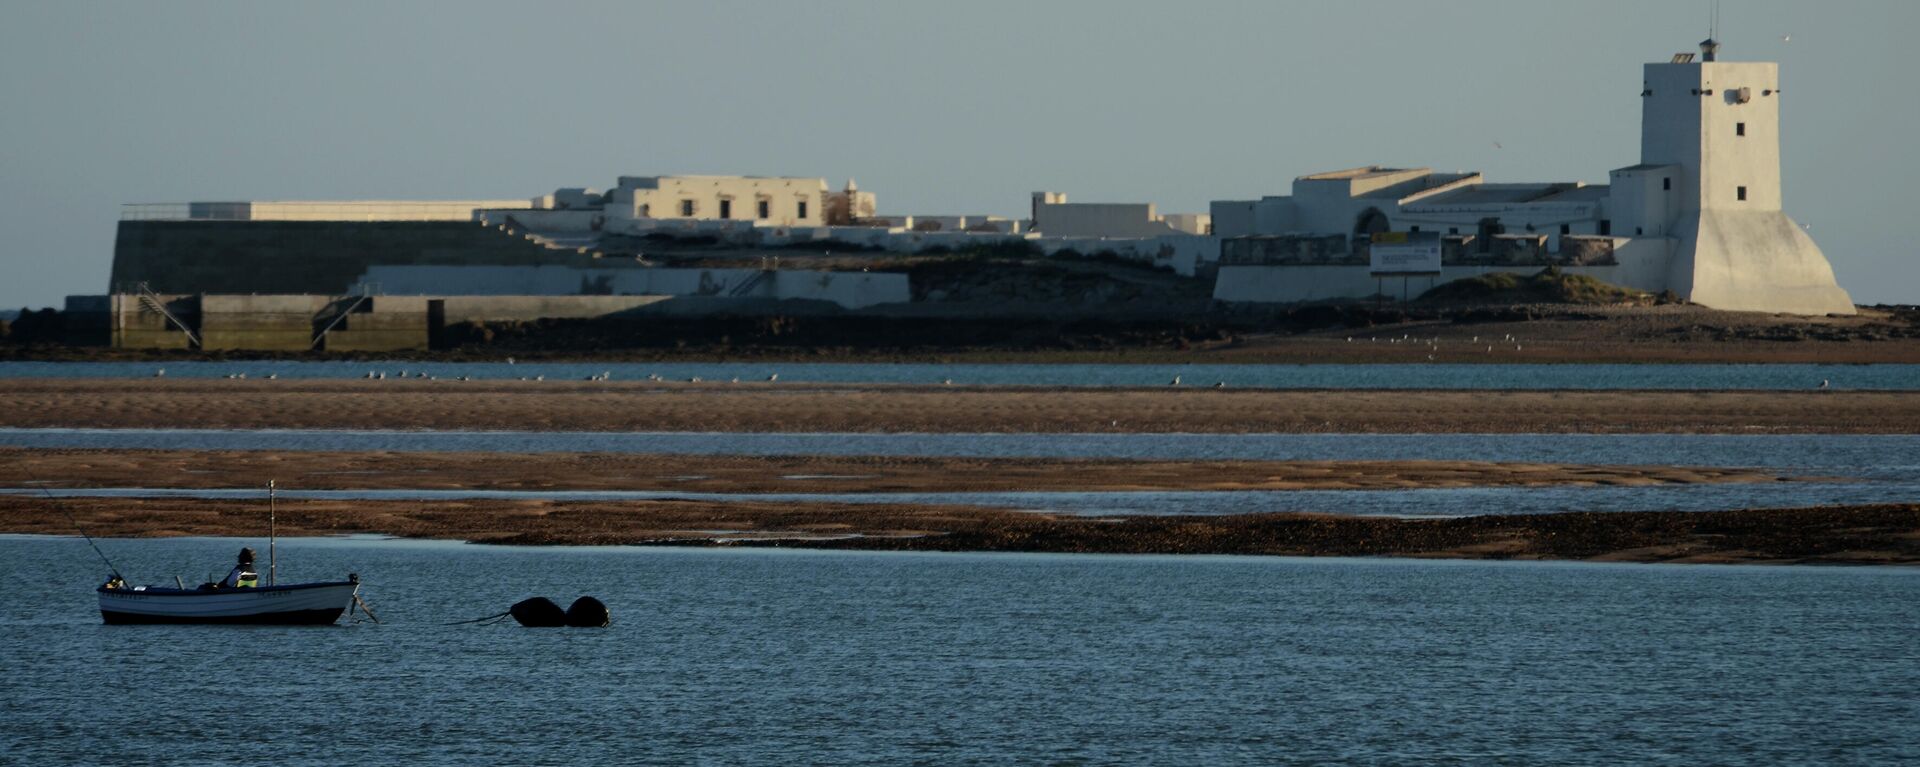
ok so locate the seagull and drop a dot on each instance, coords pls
(1175, 382)
(1219, 384)
(946, 382)
(539, 378)
(161, 373)
(1824, 383)
(1787, 38)
(606, 375)
(695, 379)
(772, 378)
(509, 360)
(736, 379)
(272, 376)
(369, 375)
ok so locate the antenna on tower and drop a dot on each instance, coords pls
(1710, 47)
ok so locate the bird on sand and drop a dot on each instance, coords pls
(161, 373)
(772, 378)
(1824, 383)
(1175, 381)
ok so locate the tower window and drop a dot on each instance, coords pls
(765, 209)
(1453, 230)
(1566, 229)
(803, 209)
(1739, 129)
(1606, 227)
(686, 208)
(1740, 192)
(726, 209)
(1413, 228)
(1666, 183)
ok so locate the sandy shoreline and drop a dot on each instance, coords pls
(199, 469)
(1888, 534)
(761, 407)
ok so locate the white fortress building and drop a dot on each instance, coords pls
(1699, 215)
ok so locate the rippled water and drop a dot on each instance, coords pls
(780, 657)
(1387, 376)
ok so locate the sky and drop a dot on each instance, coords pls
(938, 107)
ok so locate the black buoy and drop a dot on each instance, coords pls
(538, 612)
(588, 613)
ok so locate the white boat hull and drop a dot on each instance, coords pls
(302, 604)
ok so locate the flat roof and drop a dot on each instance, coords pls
(1366, 171)
(1500, 194)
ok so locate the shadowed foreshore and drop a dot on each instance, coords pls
(1881, 534)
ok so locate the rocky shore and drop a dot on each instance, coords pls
(239, 469)
(765, 407)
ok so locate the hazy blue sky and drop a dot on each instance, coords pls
(939, 107)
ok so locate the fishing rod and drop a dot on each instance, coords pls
(75, 522)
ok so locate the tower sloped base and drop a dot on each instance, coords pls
(1754, 261)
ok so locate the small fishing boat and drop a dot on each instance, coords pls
(238, 602)
(304, 604)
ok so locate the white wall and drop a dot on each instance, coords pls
(663, 200)
(1081, 219)
(851, 290)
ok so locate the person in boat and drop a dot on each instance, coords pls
(242, 576)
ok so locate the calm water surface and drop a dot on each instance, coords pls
(786, 657)
(1394, 376)
(1876, 455)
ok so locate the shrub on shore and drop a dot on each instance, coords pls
(1549, 286)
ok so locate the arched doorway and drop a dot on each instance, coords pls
(1370, 222)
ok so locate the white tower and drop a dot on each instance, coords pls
(1710, 130)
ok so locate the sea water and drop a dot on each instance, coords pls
(782, 657)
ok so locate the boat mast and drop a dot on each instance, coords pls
(272, 533)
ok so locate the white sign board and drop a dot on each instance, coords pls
(1404, 253)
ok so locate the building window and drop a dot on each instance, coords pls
(766, 209)
(1740, 192)
(1666, 183)
(1739, 129)
(1637, 231)
(726, 209)
(1413, 228)
(1606, 227)
(1566, 229)
(1453, 230)
(686, 208)
(803, 209)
